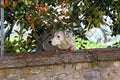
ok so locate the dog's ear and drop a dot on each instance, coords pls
(67, 33)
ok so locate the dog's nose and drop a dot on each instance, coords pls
(50, 42)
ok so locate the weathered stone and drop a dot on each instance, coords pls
(59, 77)
(2, 74)
(21, 79)
(81, 65)
(110, 74)
(93, 75)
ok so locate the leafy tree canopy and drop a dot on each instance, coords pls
(60, 14)
(46, 13)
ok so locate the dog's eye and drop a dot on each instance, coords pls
(58, 36)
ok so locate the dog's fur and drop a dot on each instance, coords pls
(63, 40)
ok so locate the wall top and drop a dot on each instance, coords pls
(59, 57)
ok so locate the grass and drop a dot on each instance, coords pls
(86, 44)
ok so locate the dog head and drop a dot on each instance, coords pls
(60, 37)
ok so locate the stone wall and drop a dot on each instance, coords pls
(96, 64)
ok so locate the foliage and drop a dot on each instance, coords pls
(117, 45)
(85, 44)
(19, 44)
(60, 14)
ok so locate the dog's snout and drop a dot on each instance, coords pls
(50, 42)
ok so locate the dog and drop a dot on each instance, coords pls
(64, 40)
